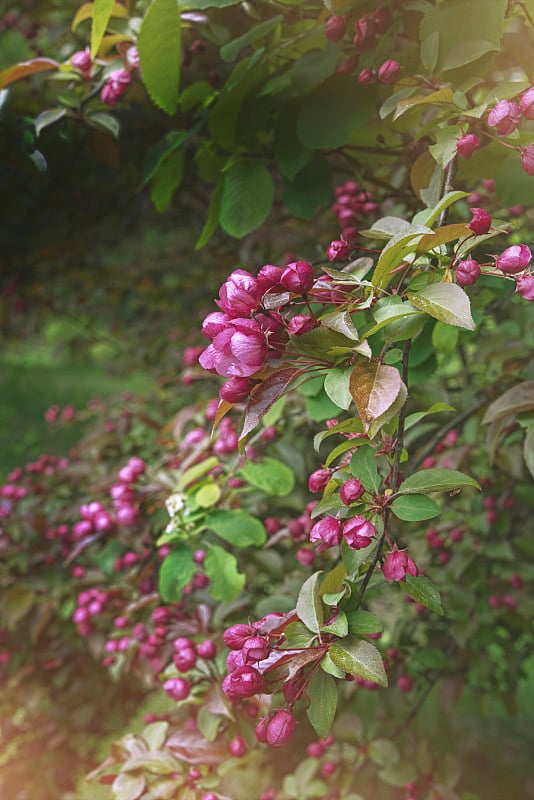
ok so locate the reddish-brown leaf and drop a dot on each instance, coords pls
(265, 395)
(374, 388)
(25, 68)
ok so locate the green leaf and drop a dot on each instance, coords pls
(322, 691)
(155, 734)
(383, 752)
(290, 155)
(435, 408)
(423, 591)
(309, 607)
(516, 400)
(269, 475)
(314, 67)
(415, 507)
(208, 495)
(428, 216)
(445, 148)
(374, 388)
(231, 50)
(101, 15)
(176, 571)
(430, 51)
(195, 472)
(336, 386)
(128, 787)
(340, 321)
(528, 450)
(363, 467)
(212, 220)
(157, 154)
(16, 602)
(398, 773)
(363, 622)
(437, 97)
(223, 121)
(436, 480)
(106, 121)
(237, 527)
(394, 253)
(359, 658)
(160, 53)
(48, 117)
(340, 100)
(445, 338)
(310, 188)
(167, 179)
(226, 582)
(247, 197)
(339, 626)
(466, 52)
(447, 302)
(388, 310)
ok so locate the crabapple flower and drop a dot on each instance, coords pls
(301, 323)
(335, 28)
(351, 491)
(358, 532)
(327, 531)
(239, 350)
(389, 71)
(526, 103)
(525, 287)
(243, 682)
(527, 159)
(467, 272)
(280, 728)
(235, 389)
(239, 296)
(397, 564)
(514, 259)
(480, 222)
(505, 116)
(466, 145)
(338, 250)
(298, 277)
(268, 279)
(115, 86)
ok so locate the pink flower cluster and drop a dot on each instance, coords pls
(352, 203)
(357, 532)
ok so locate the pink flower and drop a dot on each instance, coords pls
(280, 728)
(388, 72)
(236, 636)
(481, 221)
(467, 272)
(335, 28)
(364, 33)
(235, 389)
(505, 117)
(514, 259)
(397, 564)
(358, 532)
(81, 60)
(239, 296)
(238, 350)
(526, 103)
(351, 491)
(268, 279)
(298, 277)
(367, 77)
(525, 287)
(318, 479)
(255, 648)
(327, 531)
(527, 159)
(467, 144)
(301, 323)
(243, 682)
(338, 250)
(177, 688)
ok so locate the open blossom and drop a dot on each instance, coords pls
(358, 532)
(526, 103)
(239, 296)
(397, 564)
(525, 287)
(240, 349)
(527, 159)
(327, 531)
(505, 116)
(467, 144)
(514, 259)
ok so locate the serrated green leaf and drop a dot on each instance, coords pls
(101, 14)
(226, 582)
(269, 475)
(359, 658)
(415, 508)
(362, 622)
(247, 197)
(339, 626)
(447, 302)
(160, 53)
(176, 571)
(309, 607)
(423, 591)
(394, 253)
(321, 712)
(436, 480)
(363, 467)
(237, 527)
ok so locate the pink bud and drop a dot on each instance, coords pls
(526, 103)
(505, 117)
(367, 77)
(177, 688)
(481, 221)
(81, 60)
(467, 272)
(351, 491)
(514, 259)
(405, 683)
(327, 531)
(525, 287)
(319, 479)
(260, 730)
(185, 659)
(300, 324)
(388, 72)
(281, 728)
(238, 747)
(207, 649)
(305, 557)
(467, 144)
(236, 636)
(235, 389)
(255, 648)
(298, 277)
(338, 250)
(527, 159)
(335, 28)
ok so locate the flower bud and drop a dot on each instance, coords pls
(177, 688)
(268, 279)
(389, 71)
(338, 250)
(480, 222)
(235, 389)
(358, 532)
(335, 28)
(526, 103)
(319, 479)
(238, 747)
(505, 116)
(397, 564)
(467, 272)
(527, 159)
(298, 277)
(243, 682)
(351, 491)
(525, 287)
(261, 730)
(81, 60)
(466, 145)
(236, 636)
(514, 259)
(281, 728)
(256, 648)
(367, 77)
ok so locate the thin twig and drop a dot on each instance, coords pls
(458, 419)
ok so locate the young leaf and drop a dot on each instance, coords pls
(336, 386)
(247, 197)
(309, 607)
(101, 14)
(447, 302)
(436, 480)
(160, 53)
(322, 691)
(374, 388)
(266, 395)
(422, 590)
(226, 582)
(339, 626)
(359, 658)
(269, 475)
(237, 527)
(396, 250)
(363, 467)
(176, 571)
(25, 68)
(415, 508)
